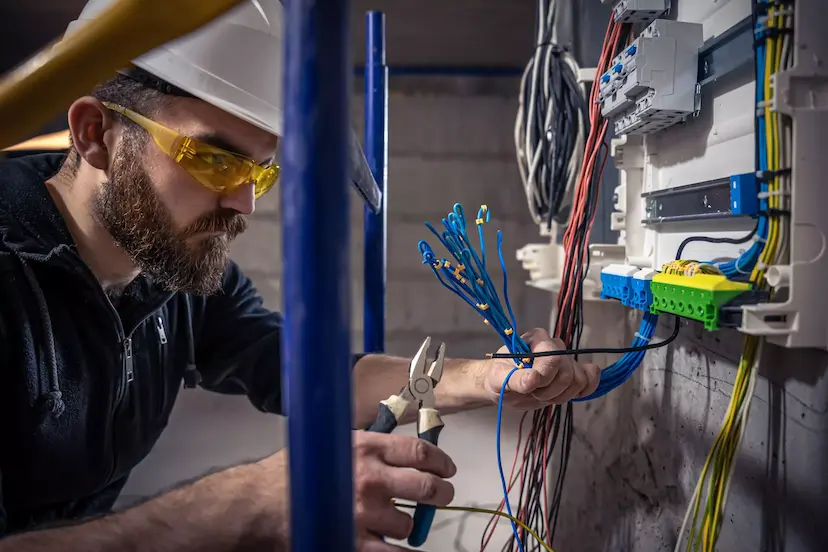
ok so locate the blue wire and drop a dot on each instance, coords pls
(500, 460)
(619, 371)
(469, 279)
(745, 263)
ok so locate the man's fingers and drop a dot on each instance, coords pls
(547, 367)
(593, 373)
(404, 451)
(420, 487)
(385, 519)
(579, 383)
(522, 381)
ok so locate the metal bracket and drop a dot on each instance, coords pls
(723, 54)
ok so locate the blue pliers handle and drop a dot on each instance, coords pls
(420, 387)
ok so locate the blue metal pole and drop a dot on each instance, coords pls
(376, 152)
(316, 339)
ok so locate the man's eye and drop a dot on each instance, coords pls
(220, 161)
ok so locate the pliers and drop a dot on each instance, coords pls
(420, 387)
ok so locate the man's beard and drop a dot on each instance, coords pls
(130, 209)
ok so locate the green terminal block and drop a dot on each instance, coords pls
(696, 297)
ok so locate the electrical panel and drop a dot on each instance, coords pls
(701, 191)
(651, 84)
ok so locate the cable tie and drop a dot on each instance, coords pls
(758, 238)
(773, 193)
(768, 175)
(739, 270)
(642, 338)
(762, 266)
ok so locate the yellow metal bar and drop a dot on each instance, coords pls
(37, 91)
(53, 141)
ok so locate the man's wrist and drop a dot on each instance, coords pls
(462, 386)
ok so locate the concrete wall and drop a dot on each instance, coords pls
(637, 453)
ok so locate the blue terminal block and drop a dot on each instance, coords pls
(744, 194)
(642, 292)
(616, 282)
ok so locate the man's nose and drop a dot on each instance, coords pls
(241, 200)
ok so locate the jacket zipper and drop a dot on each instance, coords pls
(128, 372)
(127, 375)
(129, 367)
(162, 335)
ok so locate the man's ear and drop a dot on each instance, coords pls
(91, 125)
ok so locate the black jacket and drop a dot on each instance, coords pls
(85, 388)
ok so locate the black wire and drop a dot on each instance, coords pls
(705, 239)
(594, 350)
(556, 139)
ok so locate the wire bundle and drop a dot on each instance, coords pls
(551, 124)
(773, 54)
(619, 371)
(554, 425)
(469, 279)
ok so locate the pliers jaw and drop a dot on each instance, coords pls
(422, 380)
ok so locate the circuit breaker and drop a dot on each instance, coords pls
(651, 85)
(638, 11)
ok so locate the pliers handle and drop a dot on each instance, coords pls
(420, 387)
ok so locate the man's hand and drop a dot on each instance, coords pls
(382, 473)
(551, 380)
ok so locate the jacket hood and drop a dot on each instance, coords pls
(30, 224)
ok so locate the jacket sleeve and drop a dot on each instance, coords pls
(237, 345)
(237, 349)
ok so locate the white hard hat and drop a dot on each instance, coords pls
(234, 63)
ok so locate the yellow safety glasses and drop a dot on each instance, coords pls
(216, 169)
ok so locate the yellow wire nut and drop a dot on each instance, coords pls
(50, 81)
(509, 331)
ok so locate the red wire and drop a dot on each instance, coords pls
(570, 283)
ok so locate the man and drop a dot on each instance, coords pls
(115, 286)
